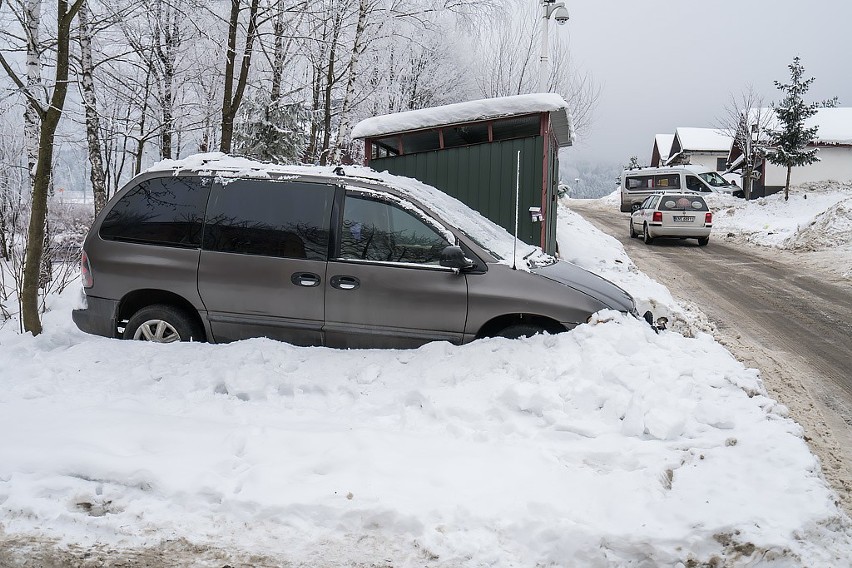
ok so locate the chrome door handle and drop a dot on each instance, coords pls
(345, 282)
(307, 279)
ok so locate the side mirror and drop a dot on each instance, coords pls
(454, 257)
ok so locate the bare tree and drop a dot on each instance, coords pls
(87, 88)
(508, 65)
(233, 94)
(49, 121)
(749, 121)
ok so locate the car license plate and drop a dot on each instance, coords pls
(680, 219)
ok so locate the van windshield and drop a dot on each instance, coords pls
(714, 180)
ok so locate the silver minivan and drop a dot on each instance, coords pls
(216, 248)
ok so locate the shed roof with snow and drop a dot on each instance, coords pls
(473, 111)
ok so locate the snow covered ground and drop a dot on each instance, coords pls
(606, 446)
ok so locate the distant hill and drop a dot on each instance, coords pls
(596, 178)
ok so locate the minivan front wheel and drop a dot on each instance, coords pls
(162, 324)
(519, 330)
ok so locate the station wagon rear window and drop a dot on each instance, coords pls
(683, 203)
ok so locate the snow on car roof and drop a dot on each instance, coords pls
(472, 111)
(451, 211)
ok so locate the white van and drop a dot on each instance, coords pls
(639, 183)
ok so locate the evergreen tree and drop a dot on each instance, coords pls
(271, 131)
(789, 142)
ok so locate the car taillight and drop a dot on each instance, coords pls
(708, 218)
(86, 271)
(658, 217)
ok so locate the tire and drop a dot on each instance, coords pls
(633, 233)
(161, 323)
(702, 241)
(646, 236)
(519, 330)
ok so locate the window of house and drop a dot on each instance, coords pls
(721, 164)
(380, 231)
(270, 218)
(164, 211)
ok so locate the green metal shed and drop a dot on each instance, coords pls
(470, 151)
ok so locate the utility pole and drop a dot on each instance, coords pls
(548, 9)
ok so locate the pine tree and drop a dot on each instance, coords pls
(789, 142)
(271, 131)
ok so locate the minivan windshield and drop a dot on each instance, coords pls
(714, 180)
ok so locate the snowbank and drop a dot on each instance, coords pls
(607, 446)
(816, 217)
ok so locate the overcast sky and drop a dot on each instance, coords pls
(668, 63)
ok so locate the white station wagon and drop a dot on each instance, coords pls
(672, 214)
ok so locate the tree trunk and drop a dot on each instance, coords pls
(234, 96)
(32, 114)
(44, 166)
(357, 49)
(787, 186)
(96, 174)
(329, 85)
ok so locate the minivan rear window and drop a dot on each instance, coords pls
(683, 202)
(164, 211)
(285, 219)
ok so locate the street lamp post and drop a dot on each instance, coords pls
(548, 9)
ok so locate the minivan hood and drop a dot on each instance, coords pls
(590, 284)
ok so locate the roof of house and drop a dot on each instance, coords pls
(834, 124)
(663, 143)
(703, 139)
(473, 111)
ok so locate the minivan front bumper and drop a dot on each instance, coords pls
(98, 317)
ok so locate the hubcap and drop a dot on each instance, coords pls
(158, 331)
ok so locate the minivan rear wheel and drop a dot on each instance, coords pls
(519, 330)
(162, 324)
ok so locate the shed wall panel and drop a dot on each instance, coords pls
(483, 177)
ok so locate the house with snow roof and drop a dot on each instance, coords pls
(833, 139)
(707, 147)
(662, 147)
(470, 150)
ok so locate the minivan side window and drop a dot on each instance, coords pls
(380, 231)
(163, 211)
(270, 218)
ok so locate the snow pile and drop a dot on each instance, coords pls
(829, 229)
(610, 445)
(794, 224)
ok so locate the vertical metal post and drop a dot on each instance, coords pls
(517, 212)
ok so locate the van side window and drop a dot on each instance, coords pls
(667, 181)
(639, 182)
(270, 218)
(694, 184)
(164, 211)
(380, 231)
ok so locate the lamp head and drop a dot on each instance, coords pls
(561, 15)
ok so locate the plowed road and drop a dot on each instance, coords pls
(774, 314)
